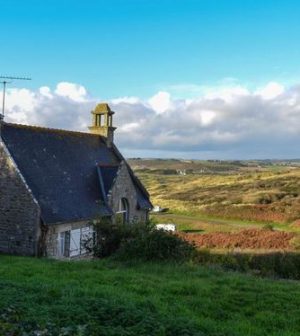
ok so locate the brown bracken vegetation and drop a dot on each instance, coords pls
(245, 239)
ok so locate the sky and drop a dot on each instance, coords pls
(201, 79)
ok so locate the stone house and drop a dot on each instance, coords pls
(53, 183)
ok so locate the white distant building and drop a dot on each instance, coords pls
(156, 208)
(181, 172)
(166, 227)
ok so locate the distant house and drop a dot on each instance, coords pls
(157, 208)
(170, 227)
(53, 183)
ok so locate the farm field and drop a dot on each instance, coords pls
(227, 197)
(47, 297)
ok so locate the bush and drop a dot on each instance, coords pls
(157, 245)
(109, 236)
(278, 264)
(137, 241)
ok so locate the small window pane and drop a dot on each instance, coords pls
(65, 244)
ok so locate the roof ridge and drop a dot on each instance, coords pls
(41, 128)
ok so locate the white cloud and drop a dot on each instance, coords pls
(73, 91)
(126, 100)
(45, 91)
(228, 94)
(47, 108)
(160, 102)
(271, 90)
(231, 122)
(130, 127)
(207, 117)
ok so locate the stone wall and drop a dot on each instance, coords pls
(124, 188)
(19, 213)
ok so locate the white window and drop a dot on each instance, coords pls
(123, 211)
(75, 242)
(64, 244)
(70, 243)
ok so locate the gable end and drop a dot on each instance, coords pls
(19, 210)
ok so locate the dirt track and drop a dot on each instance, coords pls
(245, 239)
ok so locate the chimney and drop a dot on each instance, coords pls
(102, 123)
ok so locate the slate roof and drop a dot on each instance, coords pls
(60, 167)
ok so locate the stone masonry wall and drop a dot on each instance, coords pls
(124, 187)
(19, 213)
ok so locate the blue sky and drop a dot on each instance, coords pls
(224, 63)
(135, 47)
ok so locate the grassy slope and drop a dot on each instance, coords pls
(205, 223)
(260, 197)
(147, 299)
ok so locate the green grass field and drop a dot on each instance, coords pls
(108, 298)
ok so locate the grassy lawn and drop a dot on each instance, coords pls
(204, 223)
(107, 298)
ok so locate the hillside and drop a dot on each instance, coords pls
(44, 297)
(173, 166)
(226, 197)
(265, 196)
(267, 191)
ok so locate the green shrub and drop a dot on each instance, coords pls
(157, 245)
(137, 241)
(107, 318)
(278, 264)
(109, 236)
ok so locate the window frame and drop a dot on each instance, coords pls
(124, 209)
(65, 237)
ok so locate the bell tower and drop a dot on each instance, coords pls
(103, 123)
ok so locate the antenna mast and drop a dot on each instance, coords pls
(7, 80)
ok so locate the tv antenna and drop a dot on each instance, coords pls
(7, 80)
